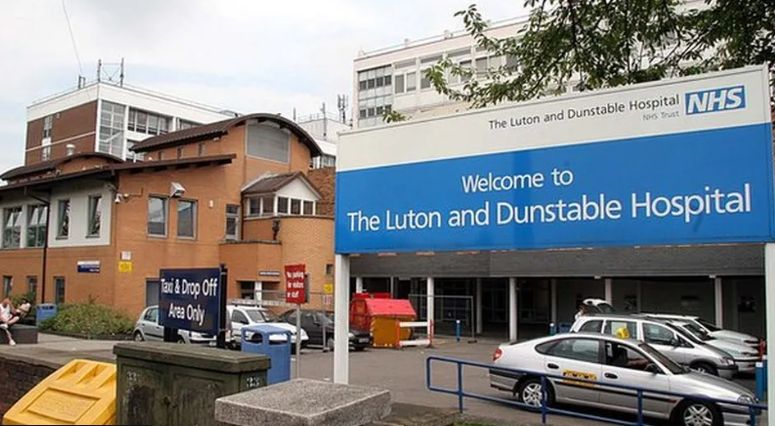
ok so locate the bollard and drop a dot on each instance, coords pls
(552, 329)
(457, 330)
(761, 379)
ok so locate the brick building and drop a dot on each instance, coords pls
(233, 192)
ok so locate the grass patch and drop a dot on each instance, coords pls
(88, 320)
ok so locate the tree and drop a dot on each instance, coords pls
(594, 44)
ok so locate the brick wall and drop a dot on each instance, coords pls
(324, 179)
(16, 379)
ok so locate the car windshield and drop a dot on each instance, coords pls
(605, 308)
(698, 332)
(707, 324)
(665, 361)
(686, 334)
(256, 315)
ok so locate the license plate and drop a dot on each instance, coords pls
(363, 340)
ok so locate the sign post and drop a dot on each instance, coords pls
(190, 299)
(220, 340)
(296, 292)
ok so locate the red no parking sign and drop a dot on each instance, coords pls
(294, 284)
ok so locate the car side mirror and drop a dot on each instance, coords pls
(674, 342)
(652, 368)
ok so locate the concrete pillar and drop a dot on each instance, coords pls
(429, 303)
(769, 288)
(358, 284)
(392, 286)
(341, 319)
(718, 297)
(553, 291)
(609, 290)
(478, 306)
(512, 309)
(639, 296)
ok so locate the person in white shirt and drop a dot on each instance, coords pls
(6, 309)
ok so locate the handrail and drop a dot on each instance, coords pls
(545, 409)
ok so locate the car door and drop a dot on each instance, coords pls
(311, 324)
(626, 365)
(151, 327)
(667, 342)
(574, 358)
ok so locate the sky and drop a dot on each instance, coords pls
(247, 56)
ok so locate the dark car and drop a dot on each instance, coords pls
(318, 323)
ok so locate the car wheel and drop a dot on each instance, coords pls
(697, 413)
(138, 337)
(704, 367)
(180, 340)
(330, 343)
(530, 392)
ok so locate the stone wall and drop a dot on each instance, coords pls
(17, 378)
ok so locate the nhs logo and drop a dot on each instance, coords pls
(714, 100)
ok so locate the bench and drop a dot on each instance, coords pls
(22, 334)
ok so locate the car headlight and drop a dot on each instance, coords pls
(750, 354)
(745, 399)
(727, 361)
(303, 334)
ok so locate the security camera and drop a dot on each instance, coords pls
(176, 190)
(119, 198)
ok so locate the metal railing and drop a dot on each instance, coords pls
(752, 410)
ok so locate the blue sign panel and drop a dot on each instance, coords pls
(88, 266)
(189, 299)
(708, 186)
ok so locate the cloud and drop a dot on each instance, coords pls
(243, 55)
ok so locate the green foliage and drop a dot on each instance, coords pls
(606, 43)
(18, 299)
(88, 319)
(394, 117)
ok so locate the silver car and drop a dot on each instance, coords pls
(608, 360)
(670, 342)
(148, 328)
(735, 336)
(745, 357)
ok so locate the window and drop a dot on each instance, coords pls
(95, 216)
(7, 285)
(613, 327)
(511, 63)
(148, 122)
(152, 315)
(591, 327)
(185, 124)
(161, 155)
(45, 152)
(466, 65)
(247, 289)
(239, 317)
(254, 206)
(157, 216)
(309, 208)
(411, 81)
(267, 205)
(424, 82)
(32, 284)
(130, 153)
(329, 269)
(63, 219)
(295, 206)
(586, 350)
(623, 356)
(201, 149)
(36, 225)
(48, 124)
(282, 205)
(180, 153)
(186, 218)
(232, 222)
(112, 128)
(268, 142)
(655, 334)
(12, 227)
(59, 290)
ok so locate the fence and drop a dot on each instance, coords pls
(448, 310)
(753, 410)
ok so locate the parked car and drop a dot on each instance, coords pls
(316, 322)
(745, 357)
(148, 328)
(608, 360)
(598, 306)
(670, 342)
(711, 329)
(242, 315)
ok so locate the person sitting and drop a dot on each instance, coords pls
(7, 318)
